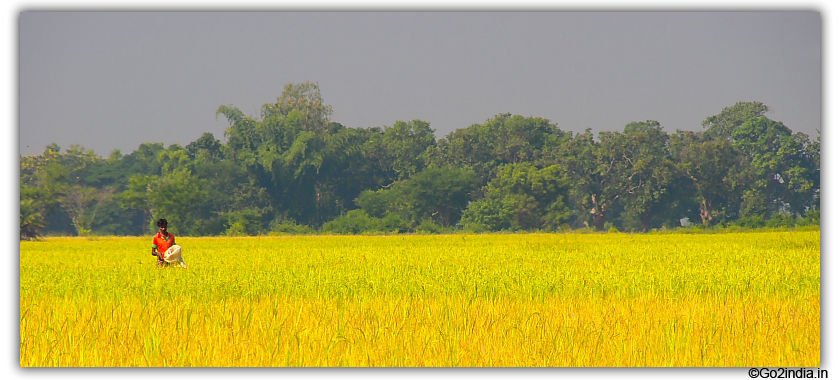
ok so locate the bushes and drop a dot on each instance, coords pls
(283, 226)
(428, 226)
(811, 218)
(359, 222)
(781, 220)
(521, 197)
(394, 223)
(755, 221)
(246, 222)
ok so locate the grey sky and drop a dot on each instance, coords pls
(115, 80)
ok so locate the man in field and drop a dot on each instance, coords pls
(164, 247)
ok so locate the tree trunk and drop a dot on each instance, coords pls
(705, 212)
(317, 206)
(598, 220)
(598, 212)
(646, 221)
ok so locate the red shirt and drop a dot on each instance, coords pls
(162, 243)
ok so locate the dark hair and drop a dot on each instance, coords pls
(161, 222)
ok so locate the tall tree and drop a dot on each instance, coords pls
(504, 139)
(137, 197)
(298, 153)
(730, 118)
(179, 196)
(780, 172)
(82, 203)
(31, 212)
(812, 152)
(440, 193)
(437, 193)
(405, 143)
(713, 165)
(522, 197)
(208, 143)
(54, 175)
(596, 169)
(43, 179)
(650, 174)
(304, 98)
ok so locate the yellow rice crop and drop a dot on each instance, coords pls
(729, 300)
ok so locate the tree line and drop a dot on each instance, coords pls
(292, 170)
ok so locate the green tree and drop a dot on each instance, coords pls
(802, 189)
(713, 165)
(178, 196)
(56, 176)
(297, 152)
(31, 212)
(780, 171)
(304, 98)
(504, 139)
(598, 172)
(394, 199)
(137, 197)
(82, 203)
(724, 124)
(522, 197)
(242, 136)
(247, 222)
(174, 158)
(812, 152)
(207, 143)
(318, 164)
(380, 202)
(31, 219)
(405, 144)
(440, 193)
(650, 175)
(42, 180)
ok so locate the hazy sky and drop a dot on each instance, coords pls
(115, 80)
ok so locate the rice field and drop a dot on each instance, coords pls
(543, 300)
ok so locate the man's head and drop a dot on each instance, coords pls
(161, 223)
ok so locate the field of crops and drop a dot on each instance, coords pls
(723, 300)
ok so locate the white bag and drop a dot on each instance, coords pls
(173, 255)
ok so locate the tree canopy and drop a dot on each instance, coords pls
(292, 169)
